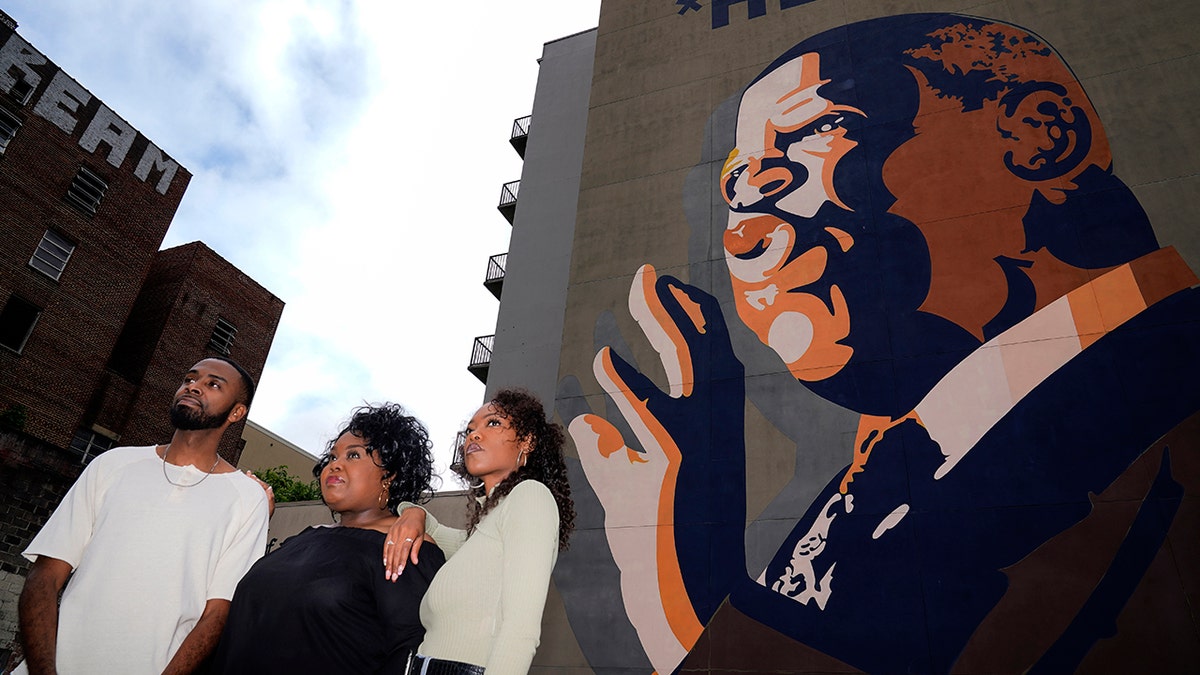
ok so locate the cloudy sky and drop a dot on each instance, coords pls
(348, 155)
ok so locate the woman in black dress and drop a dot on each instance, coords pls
(319, 603)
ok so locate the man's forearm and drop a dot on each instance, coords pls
(201, 641)
(37, 610)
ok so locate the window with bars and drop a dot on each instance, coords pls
(9, 124)
(17, 320)
(86, 191)
(52, 254)
(87, 444)
(222, 336)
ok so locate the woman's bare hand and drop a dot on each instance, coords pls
(403, 542)
(267, 489)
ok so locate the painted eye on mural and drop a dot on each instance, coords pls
(729, 183)
(826, 124)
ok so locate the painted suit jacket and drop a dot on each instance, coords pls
(1102, 451)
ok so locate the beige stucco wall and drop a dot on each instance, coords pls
(292, 517)
(266, 450)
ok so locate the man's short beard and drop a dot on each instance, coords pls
(184, 418)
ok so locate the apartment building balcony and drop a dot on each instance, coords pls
(481, 357)
(508, 200)
(520, 134)
(494, 280)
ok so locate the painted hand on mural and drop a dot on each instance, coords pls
(633, 535)
(690, 471)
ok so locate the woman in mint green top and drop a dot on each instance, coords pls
(483, 610)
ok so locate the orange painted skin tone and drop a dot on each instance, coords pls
(790, 141)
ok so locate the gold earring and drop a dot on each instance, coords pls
(383, 498)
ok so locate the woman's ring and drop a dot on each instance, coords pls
(408, 540)
(391, 543)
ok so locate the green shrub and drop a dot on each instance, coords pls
(289, 488)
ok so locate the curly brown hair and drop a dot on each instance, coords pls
(544, 463)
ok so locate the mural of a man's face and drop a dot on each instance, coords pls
(789, 229)
(878, 205)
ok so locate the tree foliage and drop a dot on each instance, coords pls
(289, 488)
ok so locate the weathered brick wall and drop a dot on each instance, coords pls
(83, 312)
(33, 479)
(10, 589)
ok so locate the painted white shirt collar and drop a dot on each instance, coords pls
(986, 385)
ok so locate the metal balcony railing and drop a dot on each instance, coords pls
(521, 126)
(508, 199)
(494, 281)
(508, 193)
(520, 134)
(481, 357)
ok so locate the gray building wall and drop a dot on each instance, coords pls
(530, 322)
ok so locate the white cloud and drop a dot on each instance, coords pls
(346, 155)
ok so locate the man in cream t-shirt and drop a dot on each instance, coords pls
(153, 540)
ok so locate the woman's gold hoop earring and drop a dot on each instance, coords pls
(383, 498)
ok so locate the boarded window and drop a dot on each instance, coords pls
(87, 444)
(86, 190)
(9, 124)
(222, 337)
(21, 90)
(52, 254)
(17, 320)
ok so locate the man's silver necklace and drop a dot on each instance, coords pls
(186, 485)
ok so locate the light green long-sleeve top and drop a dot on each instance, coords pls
(485, 605)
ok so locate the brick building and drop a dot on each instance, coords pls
(83, 219)
(95, 321)
(193, 302)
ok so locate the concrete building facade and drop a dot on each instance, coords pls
(878, 345)
(530, 321)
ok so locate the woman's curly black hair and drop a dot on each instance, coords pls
(399, 444)
(544, 463)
